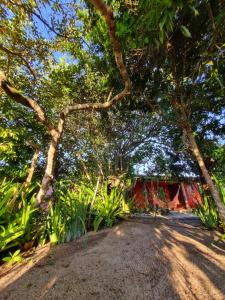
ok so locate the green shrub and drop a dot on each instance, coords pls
(68, 217)
(108, 207)
(221, 187)
(13, 258)
(208, 214)
(17, 215)
(72, 209)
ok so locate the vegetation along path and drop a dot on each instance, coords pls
(137, 259)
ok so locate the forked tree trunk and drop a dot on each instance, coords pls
(212, 187)
(56, 135)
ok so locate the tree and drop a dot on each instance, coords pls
(56, 131)
(188, 65)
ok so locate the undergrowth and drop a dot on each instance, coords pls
(71, 211)
(209, 214)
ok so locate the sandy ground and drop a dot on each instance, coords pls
(134, 260)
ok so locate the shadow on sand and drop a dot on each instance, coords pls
(134, 260)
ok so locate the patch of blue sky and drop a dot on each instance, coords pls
(47, 14)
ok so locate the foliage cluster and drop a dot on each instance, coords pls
(70, 212)
(209, 214)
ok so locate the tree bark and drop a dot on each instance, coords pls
(56, 135)
(199, 158)
(33, 163)
(32, 167)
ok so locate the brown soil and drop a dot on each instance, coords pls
(134, 260)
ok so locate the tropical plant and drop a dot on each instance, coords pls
(109, 206)
(221, 187)
(13, 258)
(208, 214)
(17, 224)
(75, 204)
(8, 189)
(68, 217)
(55, 224)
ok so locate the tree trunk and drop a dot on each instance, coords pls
(32, 167)
(56, 135)
(212, 187)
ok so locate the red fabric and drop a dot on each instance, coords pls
(193, 195)
(167, 192)
(139, 199)
(154, 198)
(197, 194)
(146, 193)
(175, 202)
(159, 202)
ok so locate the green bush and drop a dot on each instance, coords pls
(17, 215)
(208, 214)
(68, 214)
(221, 187)
(108, 207)
(72, 210)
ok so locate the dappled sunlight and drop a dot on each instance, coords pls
(192, 262)
(118, 231)
(158, 233)
(133, 260)
(112, 150)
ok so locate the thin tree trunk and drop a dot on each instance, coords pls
(51, 160)
(32, 167)
(212, 187)
(84, 167)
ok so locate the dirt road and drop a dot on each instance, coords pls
(134, 260)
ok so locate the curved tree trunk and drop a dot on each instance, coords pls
(199, 158)
(56, 135)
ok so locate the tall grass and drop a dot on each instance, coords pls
(81, 208)
(221, 187)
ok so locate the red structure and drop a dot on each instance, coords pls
(171, 195)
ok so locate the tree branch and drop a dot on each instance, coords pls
(41, 19)
(20, 55)
(24, 100)
(211, 17)
(107, 13)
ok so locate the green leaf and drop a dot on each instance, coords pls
(146, 40)
(161, 36)
(97, 222)
(53, 238)
(185, 31)
(195, 11)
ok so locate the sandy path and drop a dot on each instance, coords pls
(134, 260)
